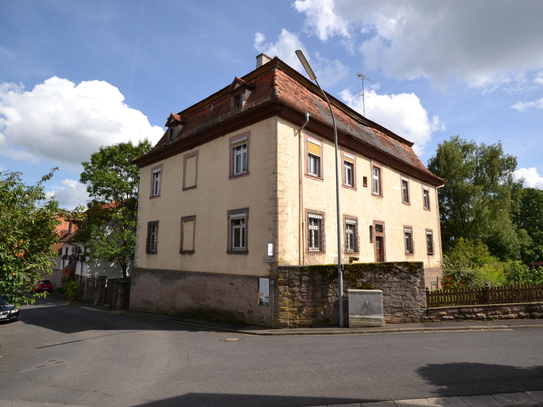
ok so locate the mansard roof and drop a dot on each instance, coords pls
(279, 90)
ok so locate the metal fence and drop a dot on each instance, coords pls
(504, 294)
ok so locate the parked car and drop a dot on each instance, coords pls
(44, 285)
(8, 311)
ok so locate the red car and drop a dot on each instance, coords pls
(44, 285)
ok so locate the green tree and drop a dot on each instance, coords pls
(109, 225)
(479, 196)
(27, 234)
(529, 217)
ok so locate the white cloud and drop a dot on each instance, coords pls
(531, 178)
(285, 47)
(327, 71)
(522, 106)
(477, 42)
(70, 195)
(64, 122)
(402, 114)
(322, 18)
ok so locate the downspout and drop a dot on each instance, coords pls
(301, 161)
(439, 231)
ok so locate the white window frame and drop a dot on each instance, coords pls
(315, 232)
(152, 237)
(426, 197)
(408, 239)
(240, 158)
(156, 181)
(405, 190)
(314, 161)
(430, 242)
(239, 155)
(351, 235)
(237, 231)
(376, 177)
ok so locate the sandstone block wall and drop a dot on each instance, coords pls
(308, 295)
(485, 312)
(210, 296)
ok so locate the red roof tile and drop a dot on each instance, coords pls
(277, 89)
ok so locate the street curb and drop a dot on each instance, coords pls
(324, 331)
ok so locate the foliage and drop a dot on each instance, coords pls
(471, 264)
(108, 227)
(478, 196)
(518, 273)
(69, 289)
(529, 217)
(27, 234)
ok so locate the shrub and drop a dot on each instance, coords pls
(69, 289)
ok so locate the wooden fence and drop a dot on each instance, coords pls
(504, 294)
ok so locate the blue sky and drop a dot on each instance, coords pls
(76, 75)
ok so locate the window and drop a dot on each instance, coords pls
(364, 182)
(408, 235)
(239, 155)
(426, 197)
(156, 180)
(348, 170)
(315, 232)
(429, 242)
(314, 158)
(237, 231)
(351, 235)
(405, 190)
(237, 101)
(152, 237)
(188, 229)
(190, 167)
(376, 180)
(379, 241)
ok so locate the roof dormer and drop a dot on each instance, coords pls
(174, 125)
(239, 91)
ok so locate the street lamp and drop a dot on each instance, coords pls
(313, 77)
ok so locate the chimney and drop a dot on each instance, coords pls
(262, 59)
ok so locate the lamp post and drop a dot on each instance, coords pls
(313, 77)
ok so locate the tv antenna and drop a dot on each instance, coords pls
(363, 93)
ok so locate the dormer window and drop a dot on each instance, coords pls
(174, 124)
(237, 102)
(173, 133)
(240, 92)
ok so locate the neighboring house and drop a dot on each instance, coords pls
(71, 263)
(244, 182)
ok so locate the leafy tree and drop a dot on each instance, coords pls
(463, 263)
(529, 217)
(27, 234)
(109, 225)
(478, 197)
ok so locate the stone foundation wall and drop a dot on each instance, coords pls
(308, 295)
(210, 296)
(485, 312)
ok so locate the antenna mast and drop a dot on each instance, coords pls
(363, 95)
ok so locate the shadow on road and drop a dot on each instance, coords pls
(454, 379)
(247, 400)
(68, 318)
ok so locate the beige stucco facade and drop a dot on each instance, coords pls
(278, 195)
(244, 182)
(215, 193)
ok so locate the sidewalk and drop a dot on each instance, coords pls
(388, 328)
(528, 398)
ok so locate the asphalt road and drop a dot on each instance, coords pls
(72, 356)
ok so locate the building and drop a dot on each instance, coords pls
(72, 263)
(243, 182)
